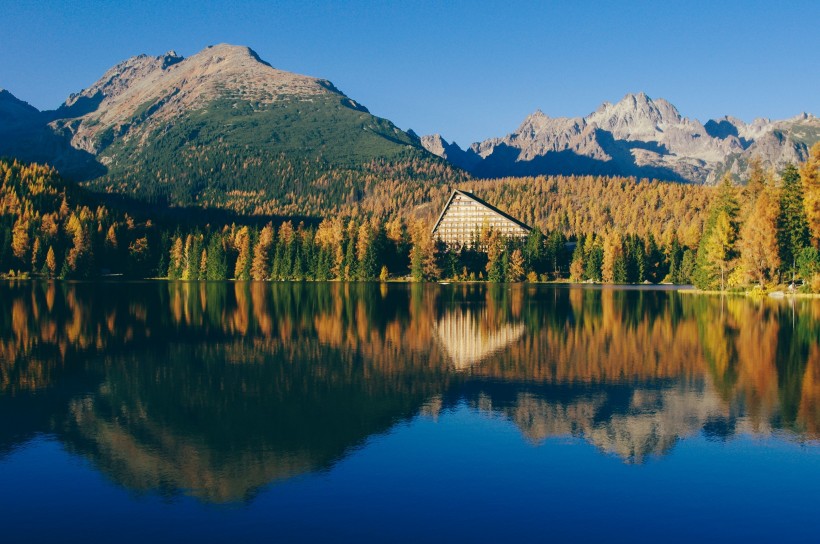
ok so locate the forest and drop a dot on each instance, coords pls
(763, 234)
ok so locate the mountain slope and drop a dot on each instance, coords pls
(638, 136)
(24, 135)
(224, 128)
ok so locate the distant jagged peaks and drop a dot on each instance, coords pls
(637, 136)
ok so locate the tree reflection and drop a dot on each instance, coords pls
(218, 389)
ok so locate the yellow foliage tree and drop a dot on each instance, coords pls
(810, 175)
(759, 249)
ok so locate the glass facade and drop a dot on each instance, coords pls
(464, 218)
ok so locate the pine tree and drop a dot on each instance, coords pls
(217, 268)
(792, 227)
(535, 251)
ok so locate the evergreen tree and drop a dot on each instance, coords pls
(217, 267)
(792, 227)
(534, 253)
(556, 252)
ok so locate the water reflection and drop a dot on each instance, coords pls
(219, 389)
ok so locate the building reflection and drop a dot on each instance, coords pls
(467, 338)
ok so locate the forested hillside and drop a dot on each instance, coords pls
(601, 229)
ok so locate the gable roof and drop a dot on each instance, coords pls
(474, 198)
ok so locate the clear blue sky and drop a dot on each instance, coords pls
(469, 70)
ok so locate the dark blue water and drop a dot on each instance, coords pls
(241, 412)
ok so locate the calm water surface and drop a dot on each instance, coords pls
(300, 412)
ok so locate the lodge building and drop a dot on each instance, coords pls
(465, 215)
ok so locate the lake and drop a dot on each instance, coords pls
(132, 412)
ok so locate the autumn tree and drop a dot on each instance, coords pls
(20, 241)
(717, 246)
(612, 266)
(515, 270)
(759, 251)
(177, 254)
(810, 176)
(423, 255)
(242, 241)
(718, 250)
(260, 268)
(138, 256)
(51, 263)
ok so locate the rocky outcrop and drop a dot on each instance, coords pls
(637, 136)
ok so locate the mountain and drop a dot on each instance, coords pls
(25, 135)
(638, 136)
(224, 128)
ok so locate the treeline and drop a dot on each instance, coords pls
(764, 233)
(767, 232)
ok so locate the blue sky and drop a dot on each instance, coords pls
(469, 70)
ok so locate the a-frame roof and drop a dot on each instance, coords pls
(474, 198)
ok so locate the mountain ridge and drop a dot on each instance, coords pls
(221, 128)
(637, 136)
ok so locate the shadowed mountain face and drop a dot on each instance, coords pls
(639, 137)
(221, 128)
(25, 135)
(217, 390)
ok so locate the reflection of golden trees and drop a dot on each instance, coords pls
(659, 366)
(594, 341)
(808, 417)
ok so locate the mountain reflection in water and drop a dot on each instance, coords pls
(218, 389)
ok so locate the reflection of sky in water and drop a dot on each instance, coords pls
(391, 411)
(461, 477)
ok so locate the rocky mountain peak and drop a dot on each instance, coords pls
(435, 144)
(638, 136)
(152, 90)
(635, 116)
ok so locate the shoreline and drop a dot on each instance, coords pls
(683, 289)
(750, 294)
